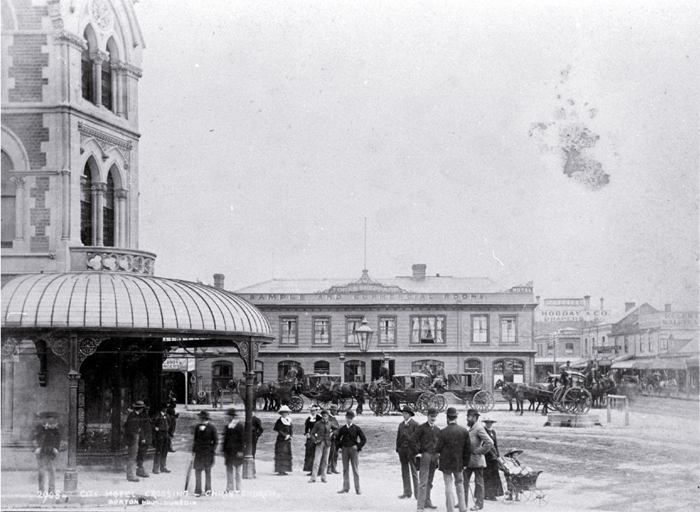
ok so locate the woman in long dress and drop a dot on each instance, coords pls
(310, 447)
(283, 444)
(492, 480)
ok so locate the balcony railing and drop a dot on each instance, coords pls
(112, 259)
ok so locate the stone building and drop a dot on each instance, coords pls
(457, 324)
(86, 324)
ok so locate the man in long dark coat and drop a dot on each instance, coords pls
(424, 442)
(172, 421)
(454, 448)
(134, 438)
(409, 471)
(161, 437)
(204, 447)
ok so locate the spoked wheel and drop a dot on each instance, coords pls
(577, 401)
(323, 404)
(380, 406)
(296, 403)
(425, 400)
(345, 404)
(540, 497)
(483, 401)
(441, 403)
(525, 495)
(557, 400)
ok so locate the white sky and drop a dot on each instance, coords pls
(271, 129)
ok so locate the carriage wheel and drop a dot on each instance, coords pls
(296, 403)
(323, 404)
(540, 497)
(441, 403)
(557, 400)
(482, 401)
(380, 406)
(425, 400)
(345, 404)
(577, 401)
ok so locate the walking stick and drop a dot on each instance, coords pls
(189, 473)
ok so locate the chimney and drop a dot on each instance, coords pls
(587, 298)
(219, 281)
(667, 308)
(601, 304)
(629, 305)
(419, 271)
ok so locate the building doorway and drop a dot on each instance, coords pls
(377, 366)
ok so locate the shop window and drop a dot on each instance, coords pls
(509, 370)
(221, 374)
(322, 367)
(288, 331)
(387, 330)
(354, 371)
(351, 325)
(428, 329)
(9, 195)
(322, 328)
(472, 366)
(283, 368)
(480, 328)
(663, 343)
(508, 329)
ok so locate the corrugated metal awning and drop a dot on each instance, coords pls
(109, 301)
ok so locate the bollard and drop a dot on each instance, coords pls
(608, 408)
(627, 412)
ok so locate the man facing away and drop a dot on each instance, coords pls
(409, 472)
(481, 443)
(333, 454)
(454, 449)
(204, 447)
(350, 441)
(321, 437)
(424, 442)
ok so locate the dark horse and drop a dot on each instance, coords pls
(337, 391)
(510, 392)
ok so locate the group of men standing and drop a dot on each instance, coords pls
(455, 451)
(140, 432)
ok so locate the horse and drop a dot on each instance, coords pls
(335, 391)
(266, 391)
(530, 393)
(510, 392)
(600, 388)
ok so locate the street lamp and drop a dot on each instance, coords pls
(363, 336)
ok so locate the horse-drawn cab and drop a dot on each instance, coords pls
(320, 382)
(468, 387)
(414, 389)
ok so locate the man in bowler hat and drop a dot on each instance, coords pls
(47, 441)
(135, 437)
(409, 471)
(481, 443)
(351, 439)
(205, 440)
(454, 449)
(424, 443)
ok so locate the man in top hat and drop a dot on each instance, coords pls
(47, 441)
(172, 421)
(492, 480)
(481, 444)
(205, 440)
(234, 443)
(454, 449)
(333, 454)
(161, 439)
(351, 439)
(134, 438)
(409, 471)
(321, 437)
(424, 444)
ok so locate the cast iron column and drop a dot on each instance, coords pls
(70, 477)
(248, 460)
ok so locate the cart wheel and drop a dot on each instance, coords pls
(345, 404)
(540, 497)
(482, 401)
(425, 400)
(525, 495)
(323, 404)
(577, 401)
(441, 403)
(296, 403)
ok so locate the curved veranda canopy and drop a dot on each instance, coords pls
(129, 304)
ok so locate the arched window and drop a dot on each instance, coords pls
(322, 367)
(87, 66)
(9, 192)
(86, 218)
(284, 366)
(221, 374)
(108, 88)
(509, 370)
(108, 213)
(432, 365)
(472, 366)
(354, 371)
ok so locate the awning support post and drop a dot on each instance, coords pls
(70, 477)
(248, 351)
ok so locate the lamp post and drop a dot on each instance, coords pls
(363, 337)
